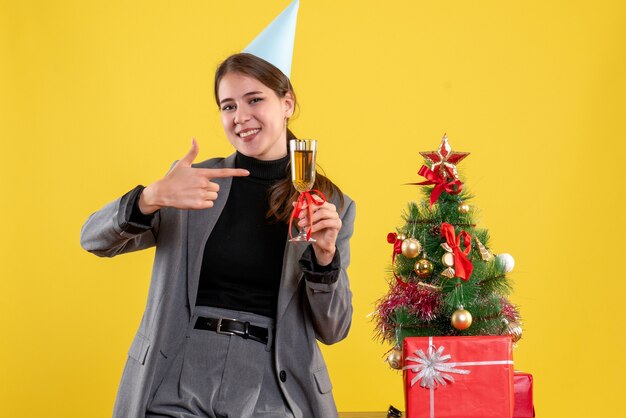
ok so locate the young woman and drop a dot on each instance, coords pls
(234, 310)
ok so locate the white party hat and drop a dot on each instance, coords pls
(275, 43)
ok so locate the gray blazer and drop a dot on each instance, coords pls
(306, 311)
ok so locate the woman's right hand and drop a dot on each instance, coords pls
(186, 187)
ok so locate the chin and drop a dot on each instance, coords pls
(248, 150)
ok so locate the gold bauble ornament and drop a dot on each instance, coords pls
(401, 237)
(411, 248)
(461, 319)
(423, 268)
(463, 207)
(395, 359)
(514, 330)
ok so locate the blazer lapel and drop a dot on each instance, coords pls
(200, 226)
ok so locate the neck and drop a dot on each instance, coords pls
(263, 169)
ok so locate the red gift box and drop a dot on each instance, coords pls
(523, 388)
(458, 377)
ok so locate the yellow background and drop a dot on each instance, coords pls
(96, 97)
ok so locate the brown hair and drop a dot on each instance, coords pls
(282, 193)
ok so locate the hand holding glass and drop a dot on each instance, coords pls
(302, 153)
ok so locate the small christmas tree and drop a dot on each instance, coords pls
(444, 280)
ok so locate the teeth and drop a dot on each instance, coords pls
(248, 133)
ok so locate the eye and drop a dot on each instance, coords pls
(228, 107)
(256, 100)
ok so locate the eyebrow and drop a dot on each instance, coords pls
(252, 93)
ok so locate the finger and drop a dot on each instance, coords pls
(327, 206)
(214, 173)
(326, 224)
(329, 221)
(204, 183)
(324, 213)
(330, 206)
(206, 204)
(315, 209)
(212, 187)
(187, 160)
(210, 196)
(197, 204)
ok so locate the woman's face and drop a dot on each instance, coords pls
(254, 117)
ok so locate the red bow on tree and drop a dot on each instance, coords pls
(452, 187)
(392, 238)
(462, 265)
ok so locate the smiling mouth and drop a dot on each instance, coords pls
(247, 133)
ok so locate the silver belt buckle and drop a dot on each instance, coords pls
(219, 327)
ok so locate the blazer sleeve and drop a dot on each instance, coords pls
(116, 228)
(331, 302)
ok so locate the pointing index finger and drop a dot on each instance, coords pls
(213, 173)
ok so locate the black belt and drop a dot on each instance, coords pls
(233, 327)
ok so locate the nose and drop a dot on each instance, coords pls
(241, 116)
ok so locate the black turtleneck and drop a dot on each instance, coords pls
(243, 257)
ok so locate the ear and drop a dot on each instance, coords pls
(288, 104)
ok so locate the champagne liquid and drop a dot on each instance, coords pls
(302, 170)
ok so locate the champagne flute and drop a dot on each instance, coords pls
(302, 153)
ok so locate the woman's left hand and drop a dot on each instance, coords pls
(325, 227)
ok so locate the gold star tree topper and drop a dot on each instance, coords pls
(444, 160)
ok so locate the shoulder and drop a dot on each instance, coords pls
(344, 203)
